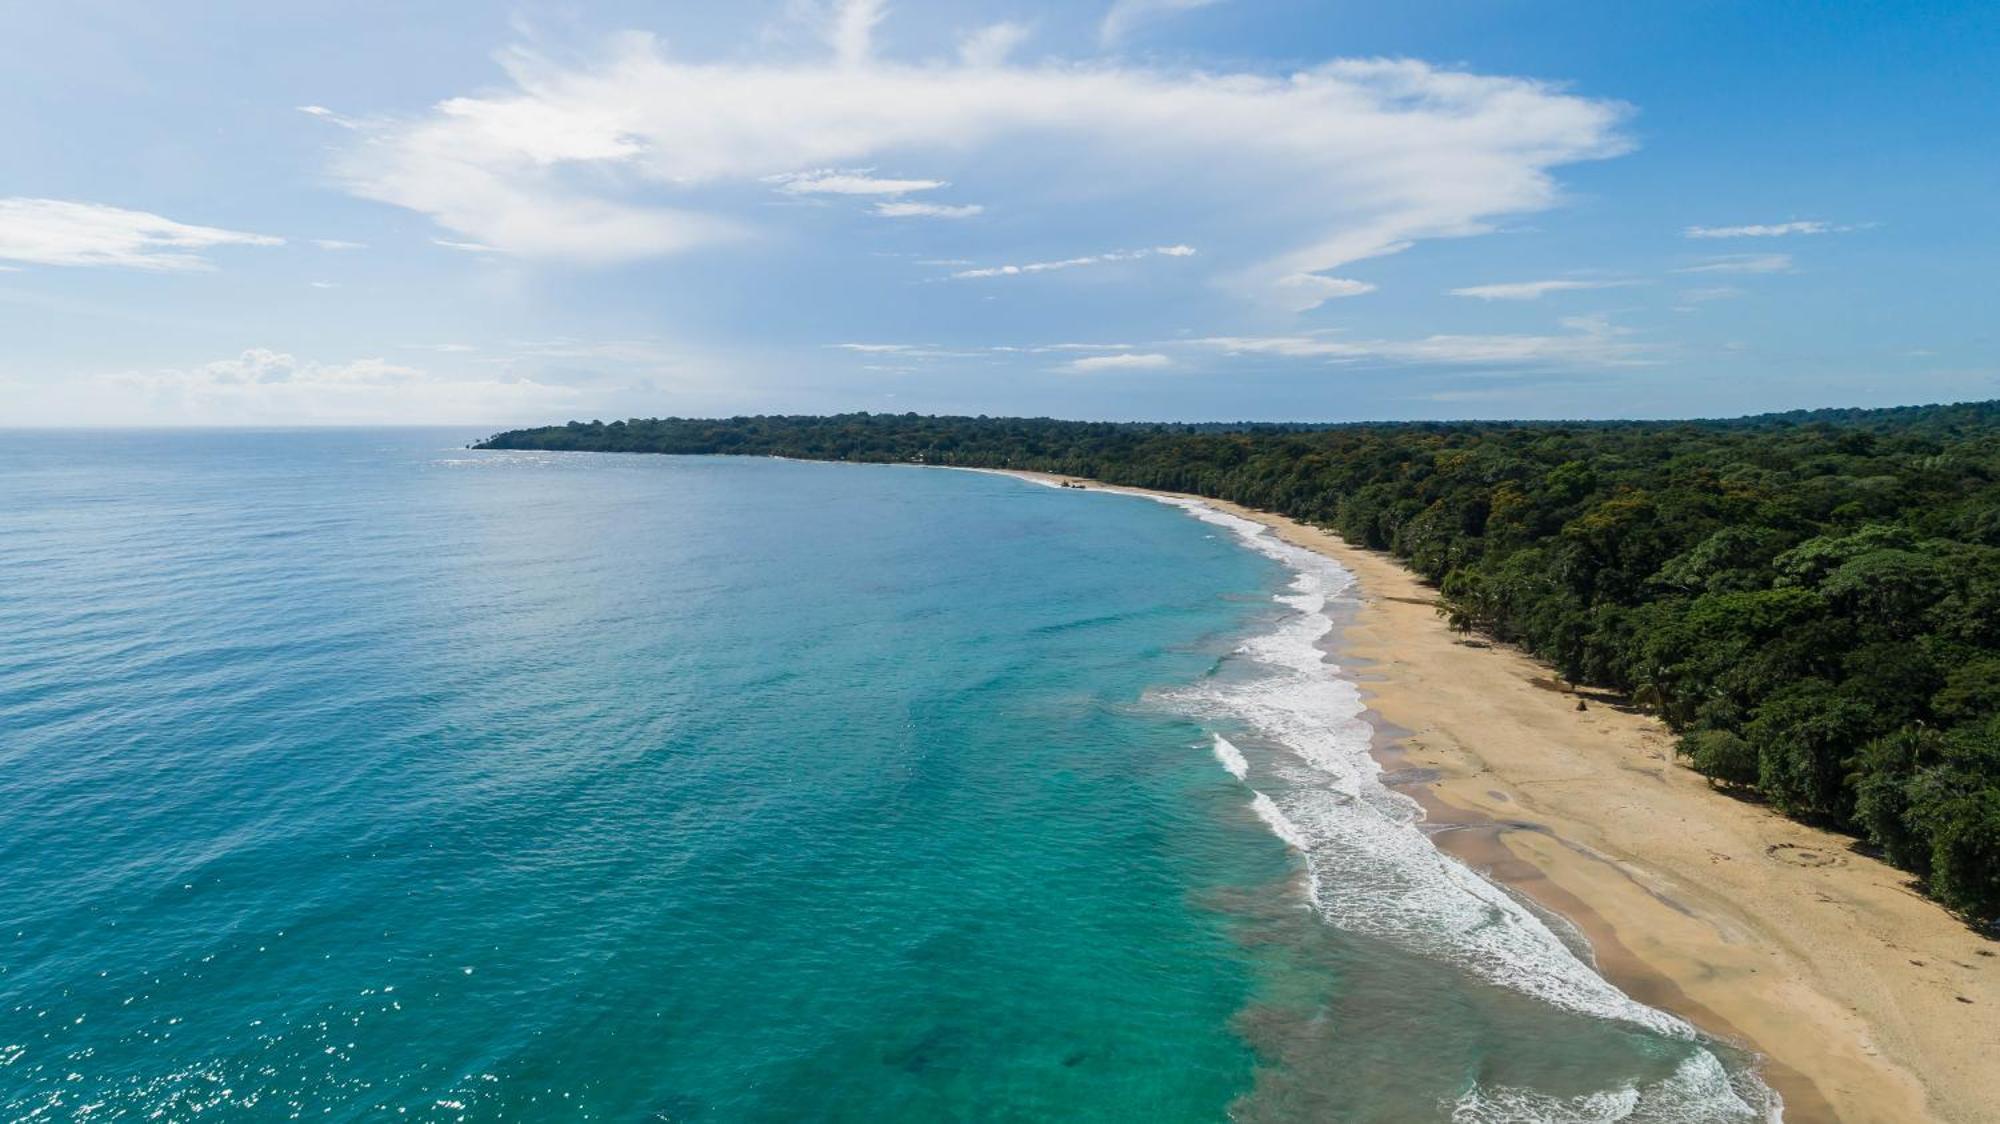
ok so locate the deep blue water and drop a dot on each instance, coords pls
(352, 774)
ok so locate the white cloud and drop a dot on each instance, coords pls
(1310, 290)
(1592, 342)
(906, 350)
(1530, 290)
(1123, 361)
(1034, 267)
(1743, 263)
(464, 247)
(907, 210)
(1767, 230)
(60, 232)
(327, 115)
(832, 181)
(337, 244)
(992, 45)
(633, 155)
(928, 351)
(265, 387)
(1127, 14)
(1588, 341)
(853, 30)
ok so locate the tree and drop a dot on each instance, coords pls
(1804, 734)
(1883, 775)
(1812, 599)
(1721, 755)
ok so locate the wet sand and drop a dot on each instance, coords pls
(1868, 1001)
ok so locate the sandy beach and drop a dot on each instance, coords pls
(1868, 1001)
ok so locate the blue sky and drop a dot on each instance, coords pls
(482, 214)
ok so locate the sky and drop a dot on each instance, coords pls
(490, 215)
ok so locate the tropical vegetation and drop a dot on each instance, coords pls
(1810, 600)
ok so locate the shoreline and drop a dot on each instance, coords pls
(1864, 1000)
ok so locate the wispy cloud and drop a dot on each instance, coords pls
(1530, 290)
(857, 181)
(338, 244)
(1590, 342)
(1121, 361)
(1128, 14)
(1764, 230)
(1586, 342)
(927, 352)
(864, 182)
(907, 350)
(1742, 263)
(327, 115)
(852, 31)
(1034, 267)
(992, 45)
(1308, 290)
(633, 154)
(1711, 293)
(61, 232)
(902, 209)
(264, 386)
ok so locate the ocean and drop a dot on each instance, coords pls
(350, 775)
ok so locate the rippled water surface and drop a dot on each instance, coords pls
(353, 774)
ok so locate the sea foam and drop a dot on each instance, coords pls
(1698, 1091)
(1372, 870)
(1231, 758)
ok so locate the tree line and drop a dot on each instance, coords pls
(1810, 600)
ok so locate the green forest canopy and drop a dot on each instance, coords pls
(1811, 600)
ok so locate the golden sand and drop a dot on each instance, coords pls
(1868, 1001)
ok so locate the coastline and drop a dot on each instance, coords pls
(1867, 1001)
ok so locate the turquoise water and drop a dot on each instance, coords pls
(346, 775)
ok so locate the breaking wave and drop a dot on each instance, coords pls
(1371, 869)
